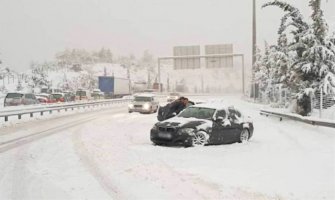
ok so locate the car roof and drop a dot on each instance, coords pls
(19, 93)
(217, 106)
(144, 95)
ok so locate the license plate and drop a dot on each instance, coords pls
(165, 135)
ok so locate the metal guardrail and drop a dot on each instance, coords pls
(41, 110)
(298, 118)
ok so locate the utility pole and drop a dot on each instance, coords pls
(253, 89)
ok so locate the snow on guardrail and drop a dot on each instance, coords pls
(296, 117)
(31, 110)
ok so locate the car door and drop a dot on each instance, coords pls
(223, 131)
(236, 121)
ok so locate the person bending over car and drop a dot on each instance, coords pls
(172, 109)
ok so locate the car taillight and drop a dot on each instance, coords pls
(61, 99)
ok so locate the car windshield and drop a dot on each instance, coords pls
(138, 98)
(81, 93)
(14, 95)
(57, 96)
(198, 112)
(44, 90)
(44, 96)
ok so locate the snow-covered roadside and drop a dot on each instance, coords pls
(48, 168)
(285, 160)
(327, 115)
(2, 99)
(13, 120)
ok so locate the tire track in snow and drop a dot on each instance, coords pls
(155, 173)
(42, 132)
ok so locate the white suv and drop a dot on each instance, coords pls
(144, 103)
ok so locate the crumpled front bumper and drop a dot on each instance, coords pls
(176, 139)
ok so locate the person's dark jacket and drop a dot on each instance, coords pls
(170, 110)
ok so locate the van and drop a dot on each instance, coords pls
(19, 98)
(83, 95)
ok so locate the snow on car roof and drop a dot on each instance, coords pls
(144, 95)
(210, 105)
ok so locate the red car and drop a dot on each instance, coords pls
(60, 97)
(45, 98)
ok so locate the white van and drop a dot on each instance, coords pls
(83, 95)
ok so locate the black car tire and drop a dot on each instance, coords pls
(199, 139)
(244, 136)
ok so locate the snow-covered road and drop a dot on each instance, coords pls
(110, 156)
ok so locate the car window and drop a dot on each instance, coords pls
(57, 96)
(238, 113)
(234, 114)
(221, 113)
(139, 98)
(28, 96)
(81, 93)
(44, 90)
(197, 112)
(14, 95)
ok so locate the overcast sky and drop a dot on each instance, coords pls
(37, 29)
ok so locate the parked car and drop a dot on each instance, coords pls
(203, 124)
(173, 96)
(19, 98)
(83, 95)
(97, 94)
(60, 97)
(45, 98)
(69, 96)
(50, 90)
(144, 103)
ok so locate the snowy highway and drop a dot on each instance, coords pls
(108, 155)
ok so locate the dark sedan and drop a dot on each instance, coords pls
(203, 124)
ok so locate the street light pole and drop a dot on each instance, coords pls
(253, 89)
(253, 33)
(243, 89)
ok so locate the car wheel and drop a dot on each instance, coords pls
(244, 136)
(130, 111)
(199, 139)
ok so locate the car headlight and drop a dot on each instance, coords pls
(146, 106)
(188, 131)
(131, 106)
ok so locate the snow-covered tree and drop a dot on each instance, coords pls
(265, 71)
(307, 61)
(39, 76)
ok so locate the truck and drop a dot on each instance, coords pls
(114, 87)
